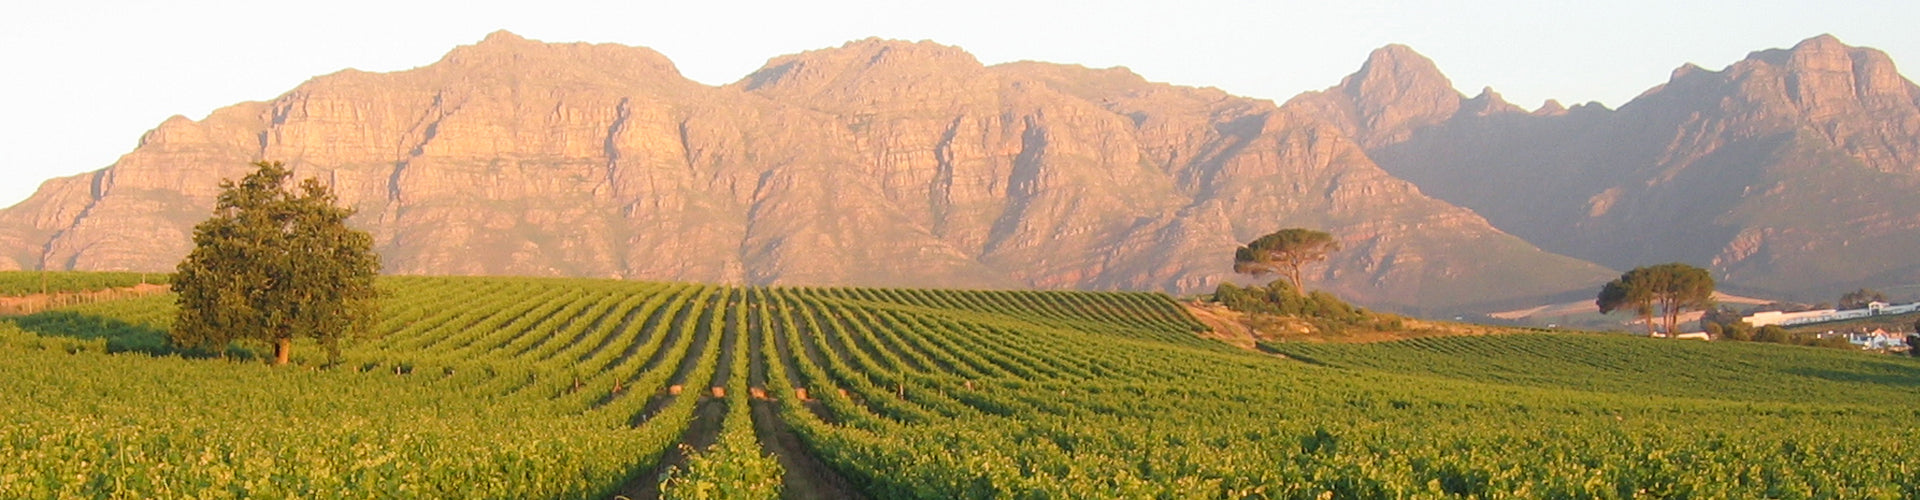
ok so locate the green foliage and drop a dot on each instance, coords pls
(954, 412)
(1669, 289)
(1858, 299)
(469, 391)
(1774, 334)
(13, 337)
(1634, 366)
(1327, 313)
(556, 388)
(1726, 324)
(116, 335)
(275, 263)
(17, 283)
(735, 467)
(1285, 252)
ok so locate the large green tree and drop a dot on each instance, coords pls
(1669, 289)
(1285, 251)
(275, 262)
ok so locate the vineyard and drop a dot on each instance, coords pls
(15, 283)
(571, 388)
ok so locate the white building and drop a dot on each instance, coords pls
(1875, 308)
(1878, 340)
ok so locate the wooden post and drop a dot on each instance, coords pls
(800, 393)
(673, 389)
(719, 392)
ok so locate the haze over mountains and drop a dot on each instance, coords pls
(888, 163)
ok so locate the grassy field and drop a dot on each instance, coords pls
(564, 388)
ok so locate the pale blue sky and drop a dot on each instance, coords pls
(84, 79)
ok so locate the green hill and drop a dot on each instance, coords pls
(571, 388)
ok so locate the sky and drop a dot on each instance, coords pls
(84, 79)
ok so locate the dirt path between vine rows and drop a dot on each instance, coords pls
(700, 434)
(806, 477)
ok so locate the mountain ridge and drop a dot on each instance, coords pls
(879, 162)
(1782, 172)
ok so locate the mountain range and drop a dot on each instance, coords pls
(889, 163)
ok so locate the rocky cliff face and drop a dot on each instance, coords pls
(1788, 172)
(875, 163)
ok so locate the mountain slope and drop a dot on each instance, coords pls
(1787, 173)
(877, 163)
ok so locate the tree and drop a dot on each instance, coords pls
(1620, 295)
(1725, 323)
(1284, 252)
(1670, 289)
(275, 262)
(1858, 299)
(1913, 340)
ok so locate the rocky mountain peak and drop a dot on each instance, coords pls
(176, 130)
(1396, 76)
(871, 73)
(1551, 107)
(878, 162)
(1823, 76)
(1395, 92)
(1487, 103)
(505, 55)
(1686, 71)
(855, 60)
(504, 38)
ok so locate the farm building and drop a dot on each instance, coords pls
(1824, 315)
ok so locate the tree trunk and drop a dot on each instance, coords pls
(282, 349)
(1670, 314)
(1673, 322)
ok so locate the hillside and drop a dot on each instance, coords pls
(569, 388)
(1788, 173)
(888, 163)
(877, 163)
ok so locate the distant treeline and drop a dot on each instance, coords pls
(18, 283)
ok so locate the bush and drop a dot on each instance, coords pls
(1328, 313)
